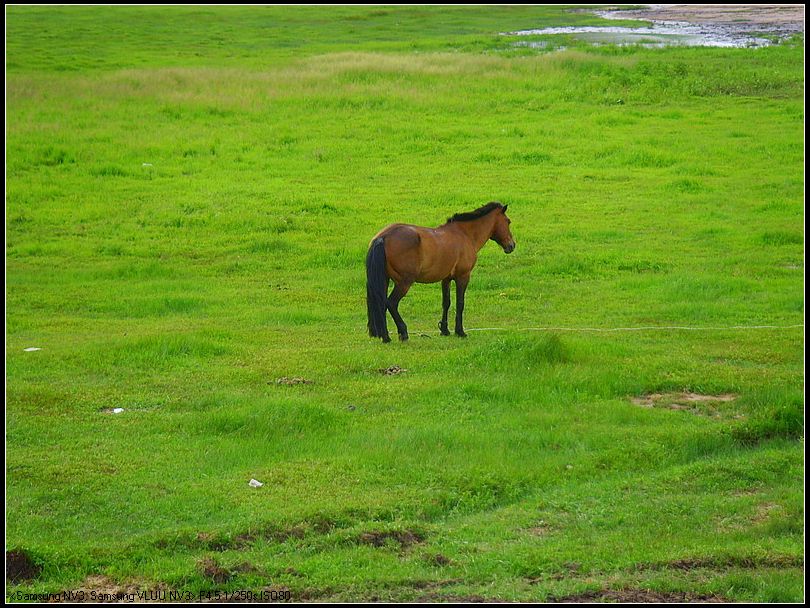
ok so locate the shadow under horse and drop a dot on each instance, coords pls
(409, 254)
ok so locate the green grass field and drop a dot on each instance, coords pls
(190, 192)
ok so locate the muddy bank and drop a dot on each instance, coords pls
(765, 16)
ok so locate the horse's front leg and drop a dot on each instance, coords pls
(461, 287)
(445, 307)
(399, 291)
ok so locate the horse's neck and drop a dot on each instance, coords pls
(477, 231)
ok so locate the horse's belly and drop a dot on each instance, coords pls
(430, 278)
(434, 272)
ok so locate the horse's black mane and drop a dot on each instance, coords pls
(474, 215)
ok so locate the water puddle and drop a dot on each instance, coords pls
(704, 28)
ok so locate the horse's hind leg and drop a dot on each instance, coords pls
(445, 307)
(461, 287)
(399, 291)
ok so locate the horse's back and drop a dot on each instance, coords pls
(406, 234)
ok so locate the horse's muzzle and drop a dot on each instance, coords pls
(509, 248)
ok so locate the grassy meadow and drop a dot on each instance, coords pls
(190, 192)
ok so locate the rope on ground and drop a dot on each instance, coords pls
(648, 328)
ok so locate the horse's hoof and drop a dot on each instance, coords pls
(461, 334)
(443, 329)
(386, 339)
(403, 337)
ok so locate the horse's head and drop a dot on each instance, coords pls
(500, 231)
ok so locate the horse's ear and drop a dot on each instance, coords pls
(504, 208)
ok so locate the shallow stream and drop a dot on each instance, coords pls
(734, 34)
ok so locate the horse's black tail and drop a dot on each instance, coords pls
(376, 285)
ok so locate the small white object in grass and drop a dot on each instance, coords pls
(31, 349)
(117, 410)
(255, 484)
(147, 164)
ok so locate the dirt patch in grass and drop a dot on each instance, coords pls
(460, 599)
(569, 570)
(746, 492)
(764, 512)
(212, 542)
(392, 370)
(278, 535)
(394, 591)
(269, 532)
(209, 568)
(404, 538)
(695, 403)
(438, 560)
(21, 567)
(638, 596)
(723, 563)
(541, 528)
(285, 381)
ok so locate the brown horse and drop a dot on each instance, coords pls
(413, 254)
